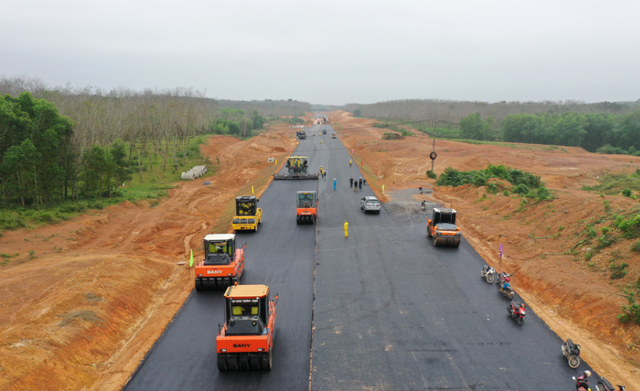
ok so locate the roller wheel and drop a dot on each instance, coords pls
(219, 284)
(198, 284)
(267, 361)
(232, 363)
(490, 278)
(244, 363)
(227, 282)
(256, 228)
(255, 362)
(298, 220)
(520, 321)
(222, 363)
(574, 362)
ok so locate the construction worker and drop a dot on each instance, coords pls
(351, 182)
(335, 183)
(360, 183)
(346, 229)
(350, 162)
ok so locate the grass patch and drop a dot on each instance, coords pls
(92, 297)
(612, 184)
(85, 315)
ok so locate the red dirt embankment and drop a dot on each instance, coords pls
(577, 298)
(83, 312)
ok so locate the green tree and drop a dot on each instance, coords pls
(474, 128)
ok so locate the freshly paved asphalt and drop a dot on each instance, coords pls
(392, 312)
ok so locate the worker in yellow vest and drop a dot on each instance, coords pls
(346, 229)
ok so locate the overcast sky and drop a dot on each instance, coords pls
(331, 52)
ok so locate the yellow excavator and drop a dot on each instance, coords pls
(248, 215)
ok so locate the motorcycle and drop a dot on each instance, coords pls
(423, 204)
(489, 274)
(604, 385)
(420, 189)
(571, 352)
(518, 312)
(502, 278)
(582, 384)
(505, 286)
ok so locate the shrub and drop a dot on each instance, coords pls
(631, 312)
(505, 193)
(542, 194)
(492, 188)
(520, 189)
(617, 270)
(626, 192)
(432, 174)
(636, 247)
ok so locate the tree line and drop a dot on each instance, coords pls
(602, 132)
(64, 143)
(453, 111)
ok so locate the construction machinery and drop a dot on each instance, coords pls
(333, 135)
(306, 207)
(297, 168)
(324, 131)
(301, 134)
(248, 215)
(222, 265)
(245, 341)
(443, 229)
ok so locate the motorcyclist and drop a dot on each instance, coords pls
(582, 382)
(506, 286)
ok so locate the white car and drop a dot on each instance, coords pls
(370, 204)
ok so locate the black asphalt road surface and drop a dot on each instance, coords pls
(391, 311)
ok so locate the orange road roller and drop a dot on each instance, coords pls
(443, 229)
(222, 265)
(306, 207)
(245, 341)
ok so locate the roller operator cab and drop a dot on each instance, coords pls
(222, 265)
(245, 341)
(443, 229)
(248, 215)
(306, 207)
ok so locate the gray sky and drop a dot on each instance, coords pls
(331, 52)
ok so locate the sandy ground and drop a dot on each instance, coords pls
(576, 300)
(82, 313)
